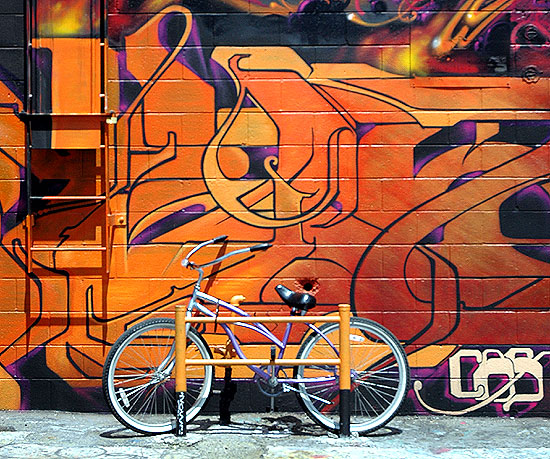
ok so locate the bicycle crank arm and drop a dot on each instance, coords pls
(288, 388)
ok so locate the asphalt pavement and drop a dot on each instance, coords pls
(55, 434)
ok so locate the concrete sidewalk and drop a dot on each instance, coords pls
(53, 434)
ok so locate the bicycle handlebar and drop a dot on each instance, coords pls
(186, 263)
(263, 246)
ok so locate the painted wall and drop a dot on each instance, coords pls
(394, 152)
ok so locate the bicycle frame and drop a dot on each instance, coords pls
(256, 327)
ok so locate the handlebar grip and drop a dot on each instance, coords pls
(263, 246)
(219, 239)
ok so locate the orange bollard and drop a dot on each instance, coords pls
(345, 370)
(229, 387)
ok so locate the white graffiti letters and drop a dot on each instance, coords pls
(491, 376)
(510, 368)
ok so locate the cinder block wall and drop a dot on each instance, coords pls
(394, 153)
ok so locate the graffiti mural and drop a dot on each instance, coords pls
(394, 152)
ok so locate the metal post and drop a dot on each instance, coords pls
(345, 370)
(181, 371)
(229, 387)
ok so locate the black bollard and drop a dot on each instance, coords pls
(226, 397)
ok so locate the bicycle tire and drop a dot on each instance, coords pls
(139, 395)
(380, 377)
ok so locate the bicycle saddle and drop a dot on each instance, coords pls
(301, 301)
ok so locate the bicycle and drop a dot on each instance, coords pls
(138, 376)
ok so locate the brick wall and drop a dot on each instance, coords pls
(394, 153)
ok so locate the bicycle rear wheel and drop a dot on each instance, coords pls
(138, 376)
(379, 376)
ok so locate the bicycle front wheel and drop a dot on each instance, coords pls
(138, 377)
(379, 376)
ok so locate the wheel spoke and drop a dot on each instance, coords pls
(375, 384)
(363, 401)
(126, 379)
